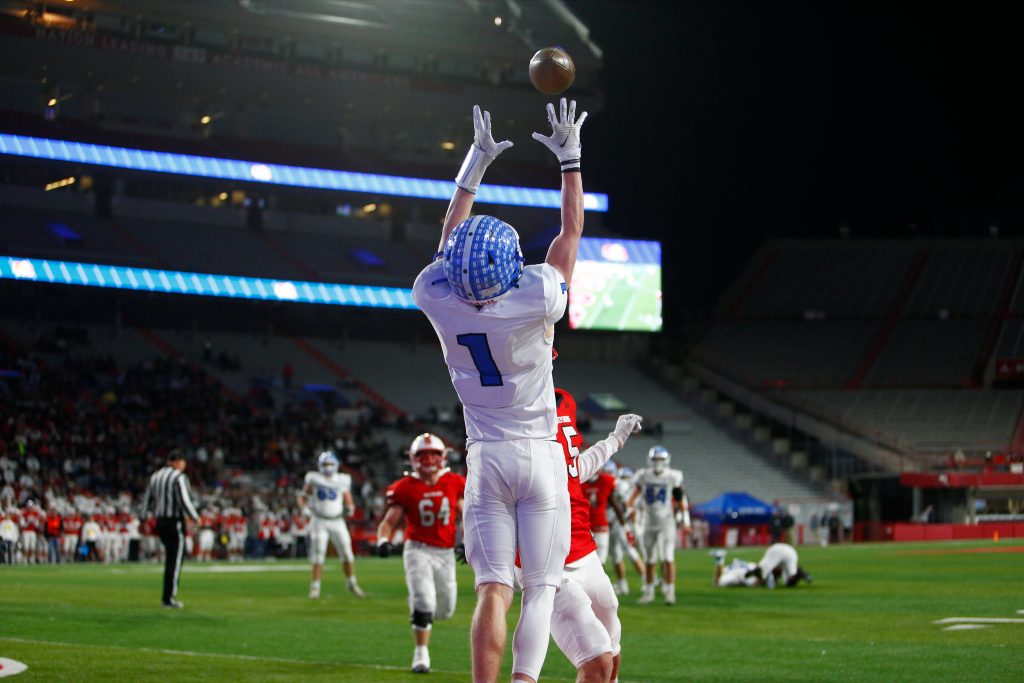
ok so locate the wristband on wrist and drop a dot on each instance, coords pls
(472, 170)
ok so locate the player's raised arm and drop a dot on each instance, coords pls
(564, 143)
(593, 459)
(483, 151)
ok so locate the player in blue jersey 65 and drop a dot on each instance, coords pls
(495, 319)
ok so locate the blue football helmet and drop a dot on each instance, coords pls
(482, 259)
(327, 463)
(659, 458)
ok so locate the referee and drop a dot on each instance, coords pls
(168, 493)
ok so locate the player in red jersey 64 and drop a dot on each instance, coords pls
(430, 500)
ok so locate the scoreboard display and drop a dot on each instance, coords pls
(616, 285)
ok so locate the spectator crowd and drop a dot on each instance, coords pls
(80, 432)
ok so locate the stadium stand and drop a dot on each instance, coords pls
(896, 340)
(924, 421)
(834, 280)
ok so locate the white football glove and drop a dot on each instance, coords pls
(627, 424)
(564, 141)
(483, 151)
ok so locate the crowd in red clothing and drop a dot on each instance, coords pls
(80, 433)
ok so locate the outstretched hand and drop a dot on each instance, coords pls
(564, 141)
(482, 136)
(625, 426)
(483, 151)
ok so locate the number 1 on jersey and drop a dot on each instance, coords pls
(480, 351)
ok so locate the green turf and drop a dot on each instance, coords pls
(868, 616)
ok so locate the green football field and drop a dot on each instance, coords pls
(619, 297)
(871, 615)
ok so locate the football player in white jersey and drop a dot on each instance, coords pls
(780, 565)
(619, 546)
(658, 493)
(328, 495)
(495, 319)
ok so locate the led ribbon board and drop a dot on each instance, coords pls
(203, 284)
(275, 174)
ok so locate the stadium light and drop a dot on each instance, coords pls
(276, 174)
(202, 284)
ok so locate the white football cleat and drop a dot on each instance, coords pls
(669, 591)
(356, 590)
(647, 598)
(314, 592)
(421, 661)
(622, 587)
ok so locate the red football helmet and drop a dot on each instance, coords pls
(565, 406)
(427, 454)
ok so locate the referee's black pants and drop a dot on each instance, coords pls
(172, 535)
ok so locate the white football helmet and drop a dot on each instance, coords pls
(427, 454)
(327, 463)
(659, 458)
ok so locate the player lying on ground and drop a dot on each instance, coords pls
(495, 320)
(585, 624)
(328, 495)
(429, 499)
(778, 566)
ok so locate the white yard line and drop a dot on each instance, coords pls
(254, 658)
(966, 627)
(979, 620)
(218, 569)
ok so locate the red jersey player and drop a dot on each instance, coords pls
(598, 490)
(585, 623)
(430, 500)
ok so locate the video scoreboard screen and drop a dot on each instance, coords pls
(616, 286)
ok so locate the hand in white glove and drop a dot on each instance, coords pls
(481, 154)
(564, 141)
(626, 425)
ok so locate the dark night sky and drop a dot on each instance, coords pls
(728, 121)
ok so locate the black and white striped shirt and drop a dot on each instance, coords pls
(169, 494)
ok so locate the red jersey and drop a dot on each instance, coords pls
(598, 491)
(72, 525)
(30, 521)
(430, 510)
(582, 540)
(207, 521)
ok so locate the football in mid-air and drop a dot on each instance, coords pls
(552, 70)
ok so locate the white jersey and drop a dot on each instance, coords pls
(736, 574)
(327, 500)
(499, 355)
(655, 499)
(779, 556)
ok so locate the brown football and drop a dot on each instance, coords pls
(552, 70)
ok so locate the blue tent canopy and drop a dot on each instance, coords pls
(734, 507)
